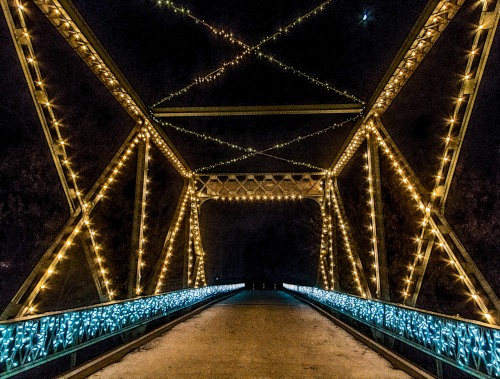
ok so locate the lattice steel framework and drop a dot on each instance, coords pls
(321, 187)
(263, 186)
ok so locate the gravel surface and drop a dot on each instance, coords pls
(255, 334)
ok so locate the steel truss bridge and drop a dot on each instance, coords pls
(29, 339)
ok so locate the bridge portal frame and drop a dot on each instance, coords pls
(429, 27)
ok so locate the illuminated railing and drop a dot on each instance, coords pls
(31, 341)
(470, 346)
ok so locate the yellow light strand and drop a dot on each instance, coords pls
(372, 216)
(71, 175)
(250, 150)
(144, 136)
(171, 241)
(347, 245)
(85, 222)
(248, 50)
(436, 192)
(444, 165)
(323, 243)
(253, 152)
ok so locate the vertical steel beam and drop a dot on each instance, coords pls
(198, 244)
(186, 275)
(137, 250)
(335, 252)
(322, 275)
(190, 249)
(330, 257)
(377, 218)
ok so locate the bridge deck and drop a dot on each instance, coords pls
(254, 334)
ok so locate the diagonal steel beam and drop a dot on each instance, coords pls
(470, 87)
(70, 24)
(24, 49)
(343, 223)
(156, 278)
(31, 286)
(50, 126)
(433, 20)
(449, 241)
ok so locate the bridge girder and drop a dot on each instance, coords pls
(259, 186)
(73, 28)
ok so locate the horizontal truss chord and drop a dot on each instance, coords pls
(258, 110)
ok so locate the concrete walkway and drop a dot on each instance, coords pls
(255, 334)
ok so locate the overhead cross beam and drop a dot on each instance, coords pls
(259, 186)
(258, 110)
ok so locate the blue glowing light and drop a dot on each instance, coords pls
(469, 345)
(32, 341)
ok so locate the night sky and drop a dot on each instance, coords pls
(350, 45)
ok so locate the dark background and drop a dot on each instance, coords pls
(160, 52)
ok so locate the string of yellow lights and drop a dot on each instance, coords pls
(76, 231)
(190, 249)
(450, 144)
(195, 235)
(277, 146)
(141, 251)
(61, 145)
(250, 50)
(429, 230)
(324, 234)
(428, 35)
(328, 230)
(169, 246)
(250, 151)
(372, 227)
(408, 185)
(347, 244)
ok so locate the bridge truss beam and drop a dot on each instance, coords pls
(377, 220)
(259, 186)
(51, 127)
(160, 270)
(70, 24)
(479, 288)
(22, 302)
(258, 110)
(427, 30)
(359, 273)
(139, 219)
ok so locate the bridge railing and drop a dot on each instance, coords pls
(32, 341)
(470, 346)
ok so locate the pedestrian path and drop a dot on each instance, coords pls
(254, 334)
